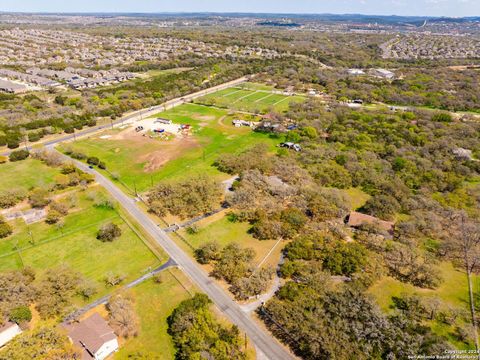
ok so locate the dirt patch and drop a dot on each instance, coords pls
(221, 123)
(205, 117)
(168, 151)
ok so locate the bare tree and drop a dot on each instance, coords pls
(463, 244)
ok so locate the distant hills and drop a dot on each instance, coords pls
(277, 19)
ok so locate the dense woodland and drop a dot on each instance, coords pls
(406, 162)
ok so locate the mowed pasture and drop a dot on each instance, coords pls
(154, 302)
(251, 98)
(130, 158)
(42, 246)
(25, 175)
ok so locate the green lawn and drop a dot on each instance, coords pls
(453, 292)
(357, 197)
(212, 131)
(76, 245)
(154, 303)
(226, 232)
(25, 174)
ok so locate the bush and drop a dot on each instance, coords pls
(92, 160)
(207, 252)
(3, 159)
(5, 228)
(20, 314)
(109, 232)
(38, 198)
(442, 117)
(53, 217)
(19, 155)
(10, 198)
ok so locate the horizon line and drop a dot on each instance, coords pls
(2, 12)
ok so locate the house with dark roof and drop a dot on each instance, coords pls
(94, 337)
(356, 219)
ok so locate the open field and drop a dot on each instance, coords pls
(25, 174)
(140, 161)
(250, 97)
(76, 246)
(225, 232)
(453, 291)
(153, 304)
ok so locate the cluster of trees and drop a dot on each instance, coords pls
(234, 264)
(197, 334)
(39, 197)
(43, 343)
(407, 164)
(188, 198)
(52, 294)
(323, 321)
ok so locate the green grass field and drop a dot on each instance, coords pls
(76, 246)
(25, 175)
(213, 134)
(452, 292)
(226, 232)
(250, 97)
(153, 304)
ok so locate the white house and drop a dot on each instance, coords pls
(94, 336)
(8, 331)
(383, 73)
(356, 71)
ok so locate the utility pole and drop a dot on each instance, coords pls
(32, 241)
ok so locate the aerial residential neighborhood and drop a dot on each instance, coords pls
(254, 180)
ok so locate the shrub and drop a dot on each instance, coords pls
(20, 314)
(38, 198)
(53, 217)
(109, 232)
(207, 252)
(19, 155)
(10, 198)
(92, 160)
(5, 228)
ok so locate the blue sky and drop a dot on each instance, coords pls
(374, 7)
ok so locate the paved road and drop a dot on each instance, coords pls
(138, 115)
(267, 346)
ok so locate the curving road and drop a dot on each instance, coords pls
(267, 346)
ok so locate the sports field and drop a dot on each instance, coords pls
(42, 246)
(140, 162)
(255, 98)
